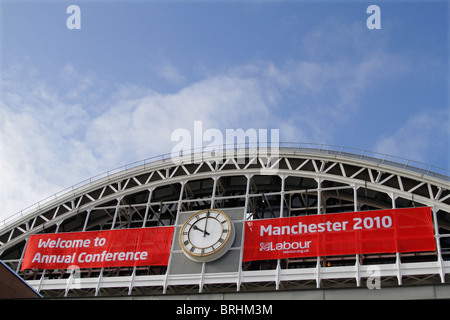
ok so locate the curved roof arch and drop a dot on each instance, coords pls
(359, 170)
(266, 183)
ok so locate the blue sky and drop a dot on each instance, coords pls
(76, 103)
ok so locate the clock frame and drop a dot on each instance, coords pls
(206, 235)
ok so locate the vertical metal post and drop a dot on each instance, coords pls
(130, 288)
(283, 177)
(357, 257)
(278, 269)
(147, 206)
(319, 211)
(116, 212)
(202, 273)
(213, 196)
(99, 281)
(100, 276)
(180, 199)
(398, 262)
(438, 245)
(86, 219)
(241, 256)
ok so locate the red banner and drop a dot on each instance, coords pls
(96, 249)
(381, 231)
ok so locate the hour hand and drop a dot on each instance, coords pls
(198, 229)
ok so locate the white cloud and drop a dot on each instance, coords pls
(39, 142)
(424, 136)
(48, 132)
(169, 72)
(140, 127)
(48, 142)
(55, 135)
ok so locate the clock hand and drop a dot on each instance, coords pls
(197, 228)
(206, 223)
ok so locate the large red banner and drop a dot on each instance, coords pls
(95, 249)
(381, 231)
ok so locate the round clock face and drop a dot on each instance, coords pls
(206, 235)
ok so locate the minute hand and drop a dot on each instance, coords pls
(206, 223)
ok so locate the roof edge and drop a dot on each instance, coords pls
(376, 159)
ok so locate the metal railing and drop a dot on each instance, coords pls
(296, 147)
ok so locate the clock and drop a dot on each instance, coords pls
(206, 235)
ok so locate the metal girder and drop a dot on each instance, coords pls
(119, 186)
(345, 175)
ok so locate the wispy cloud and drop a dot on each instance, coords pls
(169, 72)
(425, 136)
(49, 142)
(56, 133)
(47, 132)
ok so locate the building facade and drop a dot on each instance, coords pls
(247, 185)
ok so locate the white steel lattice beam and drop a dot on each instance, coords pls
(373, 186)
(349, 172)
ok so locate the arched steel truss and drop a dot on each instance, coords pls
(292, 182)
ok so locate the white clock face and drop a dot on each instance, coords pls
(206, 235)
